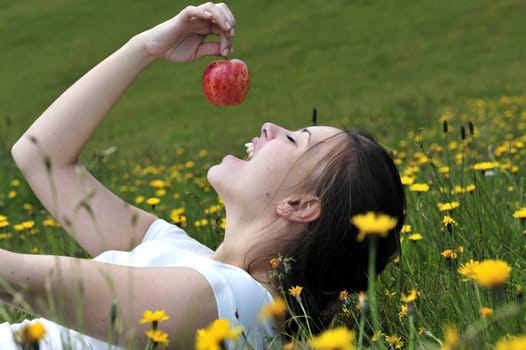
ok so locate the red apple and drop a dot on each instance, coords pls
(226, 82)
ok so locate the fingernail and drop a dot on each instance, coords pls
(232, 32)
(227, 25)
(226, 52)
(207, 13)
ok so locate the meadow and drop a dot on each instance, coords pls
(441, 85)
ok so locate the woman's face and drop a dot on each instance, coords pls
(277, 163)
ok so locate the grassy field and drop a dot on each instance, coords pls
(397, 70)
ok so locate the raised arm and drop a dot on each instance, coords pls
(48, 152)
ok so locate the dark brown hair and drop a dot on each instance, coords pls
(357, 176)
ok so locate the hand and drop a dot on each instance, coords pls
(182, 38)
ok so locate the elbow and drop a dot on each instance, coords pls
(24, 151)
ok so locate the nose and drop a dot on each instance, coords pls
(270, 131)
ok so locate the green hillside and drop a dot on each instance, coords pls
(355, 59)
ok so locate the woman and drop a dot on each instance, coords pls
(292, 197)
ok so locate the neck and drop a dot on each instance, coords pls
(250, 243)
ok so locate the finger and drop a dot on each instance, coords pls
(229, 16)
(211, 48)
(224, 40)
(219, 16)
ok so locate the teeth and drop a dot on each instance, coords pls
(250, 150)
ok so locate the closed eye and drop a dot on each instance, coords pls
(291, 139)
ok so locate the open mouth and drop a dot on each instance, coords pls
(250, 150)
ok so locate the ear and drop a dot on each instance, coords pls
(302, 210)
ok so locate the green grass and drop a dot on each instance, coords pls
(357, 59)
(391, 68)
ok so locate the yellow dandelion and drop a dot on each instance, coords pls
(139, 199)
(468, 269)
(295, 291)
(484, 166)
(373, 224)
(419, 187)
(158, 336)
(492, 273)
(448, 206)
(274, 263)
(451, 337)
(411, 297)
(486, 312)
(31, 333)
(449, 254)
(212, 338)
(153, 316)
(415, 237)
(339, 338)
(403, 311)
(277, 309)
(28, 224)
(153, 201)
(394, 341)
(407, 180)
(512, 343)
(448, 220)
(202, 153)
(158, 183)
(406, 228)
(520, 214)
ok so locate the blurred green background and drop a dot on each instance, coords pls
(384, 66)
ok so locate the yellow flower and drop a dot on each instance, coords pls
(419, 187)
(31, 333)
(276, 309)
(394, 341)
(415, 237)
(449, 254)
(407, 180)
(343, 294)
(520, 214)
(468, 269)
(483, 166)
(492, 273)
(158, 183)
(451, 337)
(295, 291)
(274, 263)
(512, 343)
(448, 220)
(448, 206)
(212, 337)
(486, 312)
(373, 224)
(403, 311)
(339, 338)
(412, 296)
(406, 229)
(153, 201)
(158, 336)
(153, 316)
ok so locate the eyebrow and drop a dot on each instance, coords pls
(308, 132)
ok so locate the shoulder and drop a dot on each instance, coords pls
(239, 298)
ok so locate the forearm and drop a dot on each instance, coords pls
(64, 128)
(74, 292)
(55, 287)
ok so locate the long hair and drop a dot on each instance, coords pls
(357, 176)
